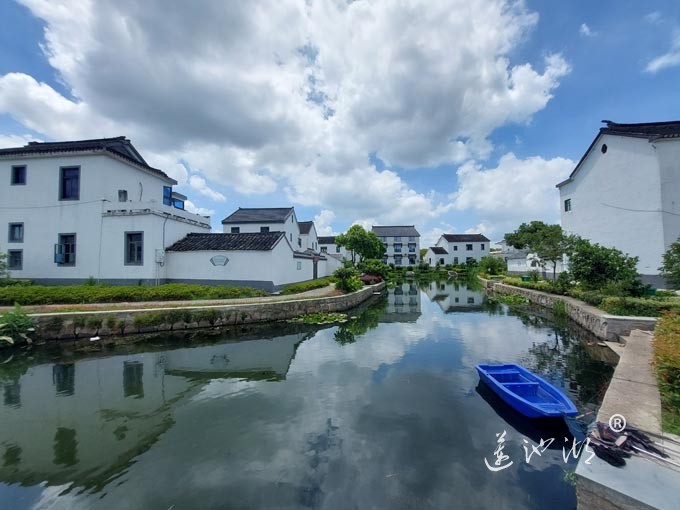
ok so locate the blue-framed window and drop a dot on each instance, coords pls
(167, 195)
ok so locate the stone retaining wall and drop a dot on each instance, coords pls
(57, 326)
(601, 324)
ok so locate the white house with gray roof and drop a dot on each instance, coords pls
(402, 244)
(457, 249)
(624, 191)
(89, 208)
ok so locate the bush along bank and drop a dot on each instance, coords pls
(667, 364)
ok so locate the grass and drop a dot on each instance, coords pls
(296, 288)
(83, 294)
(667, 363)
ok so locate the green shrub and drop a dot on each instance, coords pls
(11, 282)
(296, 288)
(373, 267)
(638, 306)
(348, 280)
(41, 295)
(95, 323)
(16, 326)
(492, 265)
(667, 361)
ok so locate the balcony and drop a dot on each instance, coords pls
(152, 207)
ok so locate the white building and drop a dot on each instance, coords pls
(521, 262)
(95, 208)
(624, 191)
(327, 246)
(402, 244)
(91, 208)
(457, 249)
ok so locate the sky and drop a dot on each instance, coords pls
(453, 115)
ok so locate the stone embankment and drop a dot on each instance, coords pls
(69, 325)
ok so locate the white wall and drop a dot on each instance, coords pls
(390, 252)
(99, 236)
(616, 198)
(290, 227)
(459, 251)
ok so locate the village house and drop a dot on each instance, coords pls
(521, 262)
(623, 193)
(457, 249)
(328, 247)
(89, 208)
(402, 244)
(95, 209)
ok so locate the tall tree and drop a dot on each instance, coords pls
(547, 242)
(360, 242)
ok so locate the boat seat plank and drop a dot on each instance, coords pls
(528, 383)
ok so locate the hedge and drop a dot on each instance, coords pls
(667, 361)
(639, 306)
(296, 288)
(77, 294)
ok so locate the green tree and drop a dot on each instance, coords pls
(493, 265)
(671, 264)
(595, 267)
(547, 242)
(423, 251)
(360, 242)
(3, 266)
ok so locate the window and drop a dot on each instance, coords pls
(567, 205)
(455, 261)
(481, 246)
(455, 247)
(134, 248)
(178, 203)
(456, 300)
(167, 195)
(397, 260)
(18, 175)
(69, 183)
(133, 379)
(471, 300)
(412, 260)
(122, 195)
(324, 249)
(299, 243)
(299, 265)
(15, 259)
(337, 249)
(16, 233)
(65, 250)
(604, 148)
(468, 247)
(264, 230)
(411, 238)
(235, 230)
(397, 239)
(411, 248)
(291, 237)
(397, 248)
(441, 261)
(470, 260)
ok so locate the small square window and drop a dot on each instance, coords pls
(69, 183)
(15, 259)
(16, 233)
(18, 175)
(235, 230)
(471, 300)
(482, 246)
(567, 205)
(264, 230)
(134, 248)
(455, 248)
(122, 195)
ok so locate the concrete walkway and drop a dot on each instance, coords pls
(137, 305)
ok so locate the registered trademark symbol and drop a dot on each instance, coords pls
(617, 422)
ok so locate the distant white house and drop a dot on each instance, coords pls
(521, 262)
(402, 244)
(328, 247)
(89, 208)
(457, 249)
(624, 191)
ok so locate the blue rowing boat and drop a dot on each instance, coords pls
(525, 392)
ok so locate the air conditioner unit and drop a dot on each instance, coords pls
(160, 256)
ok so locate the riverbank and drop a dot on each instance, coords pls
(155, 317)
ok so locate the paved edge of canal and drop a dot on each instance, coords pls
(633, 392)
(91, 323)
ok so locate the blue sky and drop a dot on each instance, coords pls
(451, 115)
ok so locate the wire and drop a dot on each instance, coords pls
(65, 204)
(639, 210)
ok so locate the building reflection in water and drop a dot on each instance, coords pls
(452, 295)
(88, 430)
(403, 303)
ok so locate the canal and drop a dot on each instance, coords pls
(384, 411)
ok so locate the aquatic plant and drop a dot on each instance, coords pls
(320, 318)
(15, 327)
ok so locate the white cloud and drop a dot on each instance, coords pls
(653, 18)
(191, 207)
(515, 191)
(669, 59)
(7, 141)
(199, 184)
(322, 223)
(222, 89)
(586, 31)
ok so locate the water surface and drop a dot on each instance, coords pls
(382, 412)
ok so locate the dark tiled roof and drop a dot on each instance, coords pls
(645, 130)
(305, 226)
(120, 146)
(256, 241)
(466, 238)
(649, 130)
(438, 250)
(395, 230)
(259, 215)
(327, 240)
(307, 255)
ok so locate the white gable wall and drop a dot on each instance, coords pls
(616, 199)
